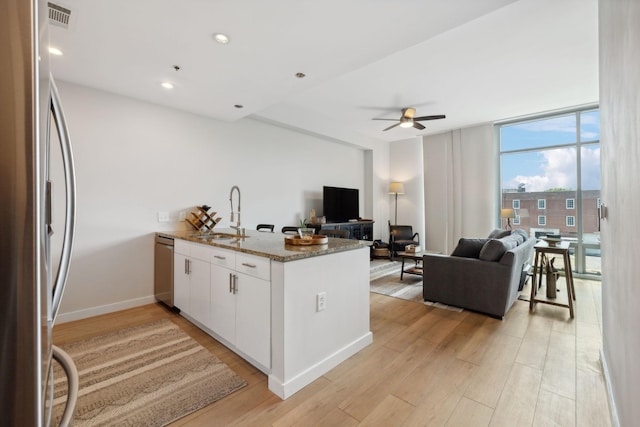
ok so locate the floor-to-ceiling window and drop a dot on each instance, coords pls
(550, 176)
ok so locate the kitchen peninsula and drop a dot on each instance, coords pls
(294, 312)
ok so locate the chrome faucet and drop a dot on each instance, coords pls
(239, 230)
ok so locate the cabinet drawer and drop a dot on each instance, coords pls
(254, 266)
(201, 252)
(181, 247)
(223, 258)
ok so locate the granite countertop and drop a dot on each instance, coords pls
(269, 245)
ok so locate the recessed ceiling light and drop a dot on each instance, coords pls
(221, 38)
(167, 85)
(55, 51)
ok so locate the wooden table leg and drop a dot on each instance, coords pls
(533, 281)
(402, 269)
(568, 275)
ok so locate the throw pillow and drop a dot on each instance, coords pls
(493, 250)
(499, 234)
(469, 248)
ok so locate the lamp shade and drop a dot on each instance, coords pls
(396, 188)
(507, 213)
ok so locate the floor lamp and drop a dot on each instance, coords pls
(396, 188)
(507, 213)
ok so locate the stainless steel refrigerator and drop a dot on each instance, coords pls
(30, 286)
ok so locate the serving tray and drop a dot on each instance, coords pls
(314, 240)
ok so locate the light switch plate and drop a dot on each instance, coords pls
(163, 216)
(321, 301)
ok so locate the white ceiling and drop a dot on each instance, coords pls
(474, 60)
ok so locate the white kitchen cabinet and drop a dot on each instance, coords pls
(192, 280)
(241, 303)
(253, 317)
(222, 316)
(180, 281)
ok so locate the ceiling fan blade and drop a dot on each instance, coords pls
(436, 117)
(393, 120)
(392, 126)
(417, 125)
(409, 112)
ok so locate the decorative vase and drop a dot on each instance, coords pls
(306, 233)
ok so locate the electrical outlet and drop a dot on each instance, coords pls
(163, 216)
(182, 216)
(321, 301)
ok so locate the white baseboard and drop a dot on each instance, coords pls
(607, 381)
(103, 309)
(286, 389)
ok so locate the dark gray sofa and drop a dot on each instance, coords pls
(481, 274)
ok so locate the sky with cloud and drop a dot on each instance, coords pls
(548, 167)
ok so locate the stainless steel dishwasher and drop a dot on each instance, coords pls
(163, 270)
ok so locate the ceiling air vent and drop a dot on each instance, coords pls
(59, 15)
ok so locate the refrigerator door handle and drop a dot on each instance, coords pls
(70, 205)
(73, 380)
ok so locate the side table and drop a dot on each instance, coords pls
(417, 258)
(542, 249)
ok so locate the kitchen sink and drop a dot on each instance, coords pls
(217, 236)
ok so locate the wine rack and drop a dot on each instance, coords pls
(202, 220)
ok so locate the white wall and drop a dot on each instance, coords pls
(459, 186)
(406, 166)
(134, 159)
(620, 141)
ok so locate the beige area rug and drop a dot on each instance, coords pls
(410, 288)
(385, 280)
(148, 375)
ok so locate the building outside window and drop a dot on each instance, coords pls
(570, 203)
(516, 220)
(542, 203)
(549, 164)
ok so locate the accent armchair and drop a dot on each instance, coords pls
(401, 236)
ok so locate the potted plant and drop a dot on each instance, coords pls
(304, 231)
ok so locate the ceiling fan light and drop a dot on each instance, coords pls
(406, 123)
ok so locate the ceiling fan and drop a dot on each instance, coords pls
(408, 120)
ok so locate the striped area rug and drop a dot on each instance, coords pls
(148, 375)
(410, 288)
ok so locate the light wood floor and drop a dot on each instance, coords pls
(426, 366)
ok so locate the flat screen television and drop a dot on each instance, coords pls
(340, 204)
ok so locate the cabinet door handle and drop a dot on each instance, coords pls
(186, 266)
(235, 283)
(230, 283)
(219, 257)
(246, 264)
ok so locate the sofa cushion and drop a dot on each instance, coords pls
(515, 240)
(522, 233)
(469, 248)
(499, 233)
(494, 249)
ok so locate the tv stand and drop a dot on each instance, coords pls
(359, 230)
